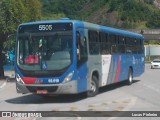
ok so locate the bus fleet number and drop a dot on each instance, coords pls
(45, 27)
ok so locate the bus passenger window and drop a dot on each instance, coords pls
(129, 46)
(94, 45)
(104, 47)
(113, 43)
(134, 46)
(121, 44)
(140, 48)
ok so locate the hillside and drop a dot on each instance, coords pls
(117, 13)
(157, 3)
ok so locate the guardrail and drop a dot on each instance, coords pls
(146, 31)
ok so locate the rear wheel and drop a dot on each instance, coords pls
(130, 77)
(93, 87)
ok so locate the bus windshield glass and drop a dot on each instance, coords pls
(49, 50)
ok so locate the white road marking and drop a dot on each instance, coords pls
(3, 84)
(79, 118)
(151, 87)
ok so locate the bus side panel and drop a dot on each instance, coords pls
(82, 78)
(94, 63)
(126, 61)
(106, 61)
(114, 70)
(119, 67)
(131, 60)
(138, 65)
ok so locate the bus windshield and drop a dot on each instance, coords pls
(44, 51)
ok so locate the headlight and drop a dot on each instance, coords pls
(18, 78)
(68, 77)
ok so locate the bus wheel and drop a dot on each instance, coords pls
(130, 77)
(94, 87)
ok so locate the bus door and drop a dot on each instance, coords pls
(81, 44)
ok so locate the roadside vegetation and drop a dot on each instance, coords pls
(115, 13)
(126, 14)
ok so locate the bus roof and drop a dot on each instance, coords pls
(90, 25)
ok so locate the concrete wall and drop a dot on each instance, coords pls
(152, 50)
(149, 34)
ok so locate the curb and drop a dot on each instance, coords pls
(10, 75)
(11, 80)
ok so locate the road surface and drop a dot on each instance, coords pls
(142, 95)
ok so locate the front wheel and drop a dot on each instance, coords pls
(93, 91)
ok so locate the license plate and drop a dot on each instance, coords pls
(41, 91)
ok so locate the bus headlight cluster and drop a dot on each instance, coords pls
(19, 79)
(68, 77)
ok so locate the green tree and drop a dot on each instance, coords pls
(32, 10)
(52, 9)
(12, 13)
(154, 20)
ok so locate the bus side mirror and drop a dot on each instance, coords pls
(83, 41)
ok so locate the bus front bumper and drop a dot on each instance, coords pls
(63, 88)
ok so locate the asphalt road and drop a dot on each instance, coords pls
(142, 95)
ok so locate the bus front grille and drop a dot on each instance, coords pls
(34, 89)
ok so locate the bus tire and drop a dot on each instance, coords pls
(130, 77)
(94, 87)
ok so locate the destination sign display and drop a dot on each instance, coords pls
(46, 27)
